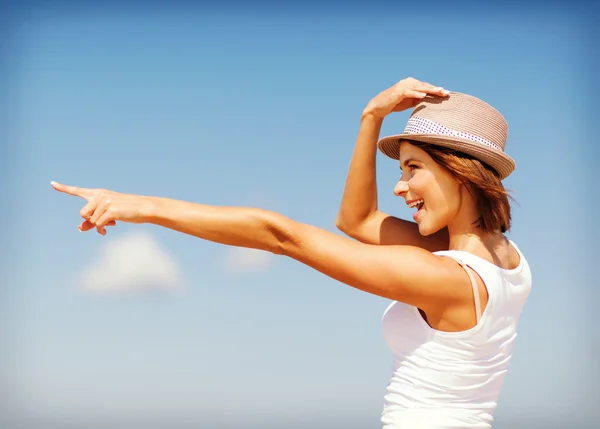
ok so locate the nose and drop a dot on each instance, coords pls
(401, 188)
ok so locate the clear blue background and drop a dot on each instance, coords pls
(261, 108)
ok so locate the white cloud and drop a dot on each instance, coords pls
(131, 263)
(241, 259)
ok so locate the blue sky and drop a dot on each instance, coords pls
(262, 109)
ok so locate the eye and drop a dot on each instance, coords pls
(412, 167)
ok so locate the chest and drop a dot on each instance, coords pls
(404, 328)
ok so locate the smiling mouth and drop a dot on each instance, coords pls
(417, 203)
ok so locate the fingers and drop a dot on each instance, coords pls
(88, 210)
(96, 215)
(100, 211)
(422, 91)
(102, 221)
(430, 89)
(413, 91)
(84, 193)
(92, 211)
(404, 94)
(417, 88)
(415, 94)
(86, 225)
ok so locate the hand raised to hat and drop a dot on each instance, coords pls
(405, 94)
(105, 207)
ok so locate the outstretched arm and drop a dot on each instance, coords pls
(403, 273)
(359, 216)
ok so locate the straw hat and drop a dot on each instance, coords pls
(458, 121)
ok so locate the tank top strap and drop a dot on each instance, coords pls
(474, 287)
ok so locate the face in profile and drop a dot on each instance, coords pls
(428, 188)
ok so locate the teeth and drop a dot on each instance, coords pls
(416, 203)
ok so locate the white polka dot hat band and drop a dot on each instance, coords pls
(461, 122)
(426, 126)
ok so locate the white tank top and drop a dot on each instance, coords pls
(453, 379)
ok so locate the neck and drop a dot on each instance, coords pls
(465, 235)
(472, 241)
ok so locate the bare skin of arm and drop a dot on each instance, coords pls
(405, 270)
(435, 284)
(359, 216)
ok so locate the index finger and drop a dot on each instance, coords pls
(427, 87)
(84, 193)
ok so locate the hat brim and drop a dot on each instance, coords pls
(498, 160)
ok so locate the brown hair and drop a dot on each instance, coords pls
(482, 181)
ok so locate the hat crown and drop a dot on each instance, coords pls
(464, 113)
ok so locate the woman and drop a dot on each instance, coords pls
(456, 283)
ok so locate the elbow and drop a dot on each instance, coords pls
(350, 231)
(342, 224)
(339, 224)
(282, 234)
(346, 224)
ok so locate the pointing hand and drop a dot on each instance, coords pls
(105, 207)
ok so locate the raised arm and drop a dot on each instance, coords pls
(359, 216)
